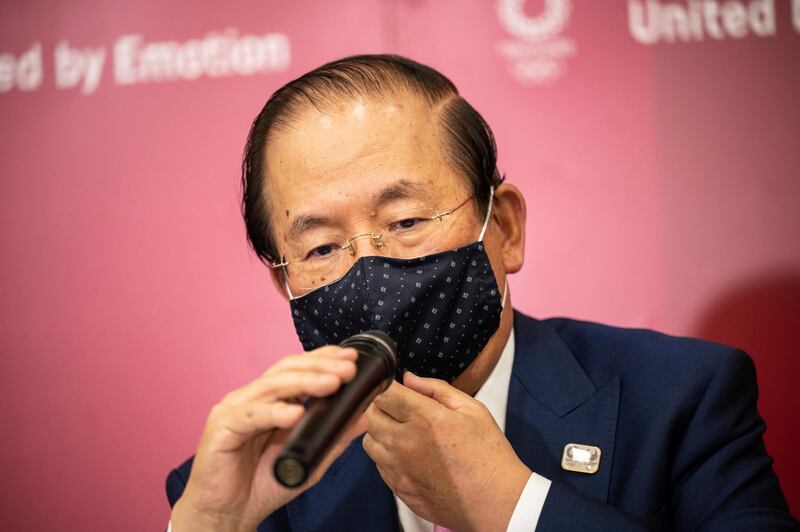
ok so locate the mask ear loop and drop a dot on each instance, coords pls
(488, 214)
(286, 285)
(288, 290)
(480, 239)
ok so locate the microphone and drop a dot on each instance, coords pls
(326, 417)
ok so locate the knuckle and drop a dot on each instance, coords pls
(385, 476)
(323, 379)
(434, 424)
(482, 408)
(325, 350)
(228, 398)
(287, 361)
(217, 413)
(431, 420)
(378, 401)
(367, 443)
(388, 442)
(440, 415)
(402, 484)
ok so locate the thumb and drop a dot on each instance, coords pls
(436, 389)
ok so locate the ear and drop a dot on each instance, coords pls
(508, 213)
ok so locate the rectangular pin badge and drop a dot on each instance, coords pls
(581, 458)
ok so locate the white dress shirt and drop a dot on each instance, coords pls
(493, 394)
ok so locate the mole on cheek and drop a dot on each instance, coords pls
(287, 213)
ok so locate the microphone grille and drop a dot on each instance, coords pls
(376, 343)
(383, 338)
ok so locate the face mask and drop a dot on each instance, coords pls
(440, 309)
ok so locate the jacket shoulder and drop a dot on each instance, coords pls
(650, 364)
(638, 347)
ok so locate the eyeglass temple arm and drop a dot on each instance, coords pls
(454, 209)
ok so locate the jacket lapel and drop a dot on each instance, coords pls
(351, 496)
(552, 402)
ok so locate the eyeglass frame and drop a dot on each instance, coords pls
(376, 238)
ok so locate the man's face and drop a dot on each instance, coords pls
(330, 173)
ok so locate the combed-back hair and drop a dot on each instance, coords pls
(469, 144)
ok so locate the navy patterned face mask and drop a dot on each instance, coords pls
(440, 309)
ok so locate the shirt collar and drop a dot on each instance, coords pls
(494, 392)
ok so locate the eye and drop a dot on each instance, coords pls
(320, 251)
(405, 224)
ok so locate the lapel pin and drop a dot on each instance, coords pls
(581, 458)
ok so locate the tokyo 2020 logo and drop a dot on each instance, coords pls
(537, 55)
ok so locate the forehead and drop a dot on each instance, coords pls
(333, 158)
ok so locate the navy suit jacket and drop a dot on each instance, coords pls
(675, 419)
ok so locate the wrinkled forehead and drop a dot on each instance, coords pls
(341, 154)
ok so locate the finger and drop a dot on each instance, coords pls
(382, 427)
(248, 419)
(403, 403)
(438, 390)
(333, 350)
(334, 362)
(376, 451)
(341, 366)
(291, 384)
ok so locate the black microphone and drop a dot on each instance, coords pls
(326, 417)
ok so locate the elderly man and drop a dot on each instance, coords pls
(371, 191)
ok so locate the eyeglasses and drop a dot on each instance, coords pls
(322, 259)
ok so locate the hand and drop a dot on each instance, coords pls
(231, 486)
(442, 453)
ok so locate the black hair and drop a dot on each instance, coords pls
(468, 141)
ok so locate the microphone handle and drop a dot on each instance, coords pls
(326, 418)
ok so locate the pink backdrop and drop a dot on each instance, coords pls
(657, 151)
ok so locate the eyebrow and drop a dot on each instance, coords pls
(307, 222)
(402, 189)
